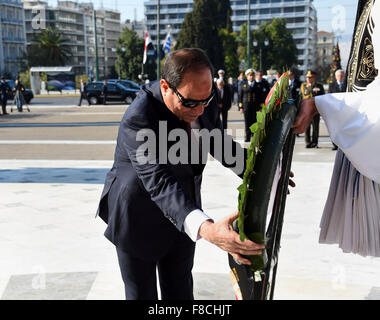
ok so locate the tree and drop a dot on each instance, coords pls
(279, 54)
(200, 28)
(132, 57)
(230, 46)
(48, 49)
(336, 63)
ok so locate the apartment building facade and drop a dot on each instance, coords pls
(77, 22)
(301, 17)
(12, 37)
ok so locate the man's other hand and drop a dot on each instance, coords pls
(222, 235)
(306, 113)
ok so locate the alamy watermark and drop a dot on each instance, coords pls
(39, 20)
(174, 147)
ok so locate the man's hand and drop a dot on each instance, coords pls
(306, 113)
(222, 235)
(291, 182)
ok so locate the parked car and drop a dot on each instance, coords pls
(28, 94)
(116, 92)
(126, 83)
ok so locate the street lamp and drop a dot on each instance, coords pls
(257, 44)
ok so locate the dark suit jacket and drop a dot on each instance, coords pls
(145, 205)
(249, 96)
(334, 87)
(226, 100)
(294, 89)
(263, 89)
(4, 88)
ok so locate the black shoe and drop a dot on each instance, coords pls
(308, 146)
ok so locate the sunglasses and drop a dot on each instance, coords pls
(190, 103)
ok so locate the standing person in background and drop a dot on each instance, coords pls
(249, 102)
(294, 86)
(310, 89)
(104, 92)
(277, 76)
(83, 92)
(262, 86)
(338, 85)
(239, 83)
(233, 86)
(221, 74)
(224, 92)
(4, 88)
(19, 90)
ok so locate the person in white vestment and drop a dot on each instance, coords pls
(352, 212)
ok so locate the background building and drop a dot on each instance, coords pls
(137, 26)
(12, 37)
(325, 46)
(172, 14)
(301, 18)
(76, 22)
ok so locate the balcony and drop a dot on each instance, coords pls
(169, 11)
(13, 40)
(12, 21)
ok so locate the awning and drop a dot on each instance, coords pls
(51, 69)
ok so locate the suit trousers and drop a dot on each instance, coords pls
(249, 120)
(82, 96)
(4, 105)
(224, 114)
(312, 131)
(174, 271)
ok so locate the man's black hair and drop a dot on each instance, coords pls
(180, 61)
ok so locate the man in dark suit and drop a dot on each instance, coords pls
(262, 86)
(4, 88)
(150, 201)
(338, 85)
(294, 86)
(249, 102)
(225, 99)
(104, 92)
(311, 89)
(83, 92)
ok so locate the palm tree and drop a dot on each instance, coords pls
(49, 49)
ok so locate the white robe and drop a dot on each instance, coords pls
(353, 118)
(352, 213)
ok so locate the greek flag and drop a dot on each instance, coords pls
(167, 44)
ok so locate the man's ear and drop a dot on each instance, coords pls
(164, 86)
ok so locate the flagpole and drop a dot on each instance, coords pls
(158, 41)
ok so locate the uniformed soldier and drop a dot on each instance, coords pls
(310, 89)
(249, 101)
